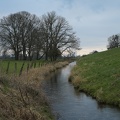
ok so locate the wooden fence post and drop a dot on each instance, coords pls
(15, 68)
(7, 67)
(21, 69)
(39, 64)
(28, 67)
(31, 65)
(34, 64)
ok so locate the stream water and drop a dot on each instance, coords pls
(68, 104)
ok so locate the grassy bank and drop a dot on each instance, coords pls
(99, 75)
(21, 98)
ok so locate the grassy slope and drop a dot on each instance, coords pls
(99, 75)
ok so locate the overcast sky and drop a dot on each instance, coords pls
(92, 20)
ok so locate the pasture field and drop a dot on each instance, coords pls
(13, 66)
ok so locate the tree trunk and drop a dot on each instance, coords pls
(46, 56)
(41, 56)
(16, 55)
(24, 53)
(37, 55)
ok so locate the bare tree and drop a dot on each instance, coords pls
(25, 28)
(18, 32)
(113, 41)
(39, 44)
(15, 31)
(26, 34)
(10, 33)
(33, 36)
(58, 35)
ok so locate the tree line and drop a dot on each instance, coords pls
(29, 36)
(113, 41)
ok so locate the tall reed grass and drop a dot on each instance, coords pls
(22, 97)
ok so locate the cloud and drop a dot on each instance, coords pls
(92, 20)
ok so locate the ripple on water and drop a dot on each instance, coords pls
(67, 104)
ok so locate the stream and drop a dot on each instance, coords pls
(68, 104)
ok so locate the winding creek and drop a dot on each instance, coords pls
(67, 104)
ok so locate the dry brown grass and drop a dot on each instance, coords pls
(21, 98)
(75, 78)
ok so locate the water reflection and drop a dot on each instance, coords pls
(68, 104)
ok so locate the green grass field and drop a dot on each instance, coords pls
(15, 66)
(99, 75)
